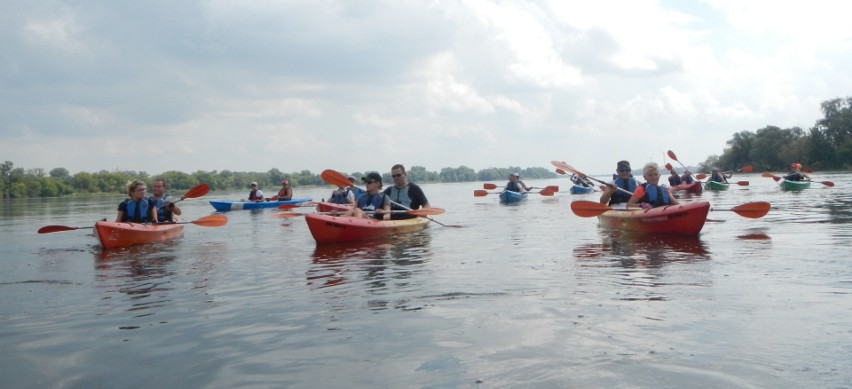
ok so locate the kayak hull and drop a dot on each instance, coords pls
(226, 205)
(334, 229)
(510, 197)
(326, 206)
(113, 234)
(794, 185)
(682, 219)
(693, 188)
(717, 186)
(580, 189)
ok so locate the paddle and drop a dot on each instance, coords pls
(552, 188)
(206, 221)
(482, 193)
(196, 191)
(416, 212)
(308, 204)
(752, 210)
(566, 167)
(776, 178)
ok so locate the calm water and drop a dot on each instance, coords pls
(521, 296)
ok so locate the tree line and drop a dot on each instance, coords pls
(825, 146)
(17, 182)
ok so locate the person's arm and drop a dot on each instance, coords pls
(259, 195)
(387, 208)
(672, 199)
(120, 216)
(351, 197)
(424, 202)
(637, 195)
(609, 189)
(153, 211)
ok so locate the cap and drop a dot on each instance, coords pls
(794, 165)
(351, 178)
(285, 182)
(622, 163)
(372, 177)
(516, 174)
(253, 184)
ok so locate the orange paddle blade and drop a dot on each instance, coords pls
(672, 155)
(489, 186)
(767, 175)
(481, 193)
(669, 166)
(289, 206)
(546, 192)
(742, 183)
(426, 211)
(55, 228)
(827, 183)
(753, 210)
(584, 208)
(560, 171)
(700, 176)
(552, 188)
(211, 221)
(747, 169)
(196, 191)
(334, 178)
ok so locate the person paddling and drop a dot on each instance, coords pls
(166, 207)
(717, 175)
(624, 180)
(255, 195)
(286, 193)
(514, 185)
(796, 173)
(137, 208)
(403, 194)
(674, 179)
(372, 201)
(651, 194)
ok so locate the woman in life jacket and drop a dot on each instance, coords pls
(373, 201)
(342, 195)
(514, 184)
(718, 176)
(137, 208)
(651, 194)
(624, 180)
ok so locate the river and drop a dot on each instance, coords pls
(527, 295)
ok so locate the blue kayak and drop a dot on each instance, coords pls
(575, 189)
(225, 205)
(509, 197)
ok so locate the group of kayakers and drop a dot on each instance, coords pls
(157, 208)
(380, 205)
(685, 178)
(625, 189)
(285, 193)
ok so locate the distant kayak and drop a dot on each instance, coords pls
(114, 234)
(225, 205)
(682, 219)
(794, 185)
(332, 229)
(693, 188)
(326, 206)
(717, 186)
(576, 189)
(510, 197)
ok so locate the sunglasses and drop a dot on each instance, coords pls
(371, 181)
(624, 170)
(396, 175)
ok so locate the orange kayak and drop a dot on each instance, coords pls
(113, 234)
(326, 206)
(681, 219)
(331, 229)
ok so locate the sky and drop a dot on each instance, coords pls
(253, 85)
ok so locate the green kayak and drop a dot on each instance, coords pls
(713, 185)
(794, 185)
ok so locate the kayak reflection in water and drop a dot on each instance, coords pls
(651, 194)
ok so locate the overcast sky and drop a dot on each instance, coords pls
(361, 85)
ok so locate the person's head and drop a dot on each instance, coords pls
(674, 173)
(285, 183)
(136, 189)
(159, 186)
(373, 181)
(399, 176)
(253, 185)
(687, 172)
(351, 180)
(795, 166)
(651, 172)
(714, 170)
(623, 169)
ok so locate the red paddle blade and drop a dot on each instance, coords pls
(196, 191)
(742, 183)
(827, 183)
(583, 208)
(672, 155)
(489, 186)
(747, 169)
(767, 175)
(55, 228)
(776, 178)
(700, 176)
(669, 166)
(480, 193)
(560, 171)
(334, 178)
(552, 188)
(808, 170)
(426, 211)
(211, 221)
(546, 192)
(753, 210)
(288, 206)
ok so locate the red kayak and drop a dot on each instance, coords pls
(331, 229)
(681, 219)
(114, 234)
(326, 206)
(693, 188)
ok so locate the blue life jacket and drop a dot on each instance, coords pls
(619, 196)
(794, 176)
(372, 202)
(687, 179)
(513, 186)
(164, 215)
(135, 215)
(674, 180)
(654, 194)
(339, 197)
(717, 178)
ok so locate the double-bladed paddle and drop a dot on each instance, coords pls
(776, 178)
(552, 188)
(205, 221)
(566, 167)
(482, 193)
(752, 210)
(416, 212)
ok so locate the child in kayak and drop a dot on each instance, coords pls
(796, 173)
(651, 194)
(373, 201)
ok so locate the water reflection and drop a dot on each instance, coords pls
(631, 250)
(377, 267)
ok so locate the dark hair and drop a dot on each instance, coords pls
(159, 179)
(398, 166)
(133, 186)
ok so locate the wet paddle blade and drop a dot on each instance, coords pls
(481, 193)
(669, 166)
(288, 214)
(552, 188)
(55, 228)
(747, 169)
(742, 183)
(334, 178)
(489, 186)
(426, 211)
(197, 191)
(546, 192)
(560, 171)
(753, 210)
(672, 155)
(583, 208)
(700, 176)
(211, 221)
(767, 175)
(827, 183)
